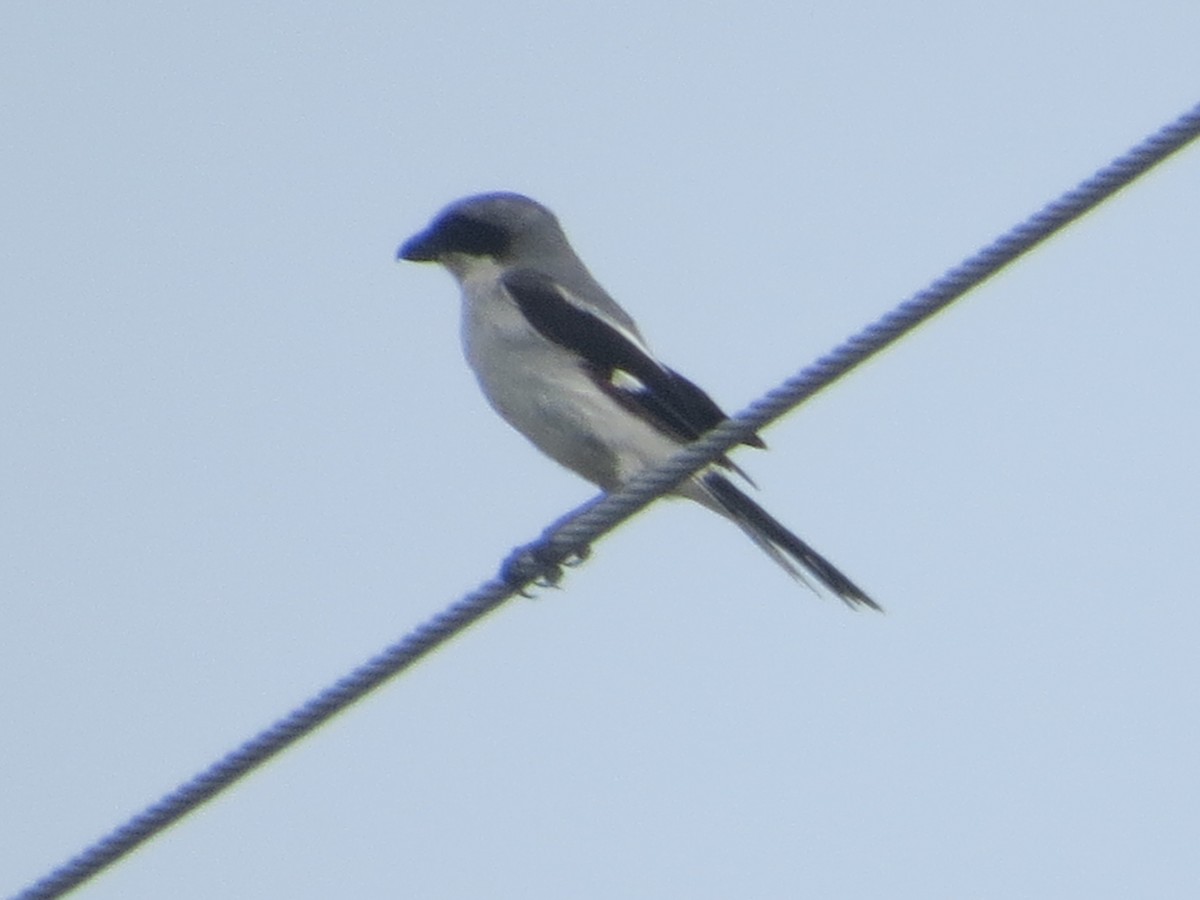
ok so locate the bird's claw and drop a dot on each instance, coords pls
(539, 565)
(576, 557)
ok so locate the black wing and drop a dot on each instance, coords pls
(672, 403)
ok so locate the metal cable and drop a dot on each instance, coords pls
(572, 534)
(579, 531)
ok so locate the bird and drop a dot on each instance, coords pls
(567, 367)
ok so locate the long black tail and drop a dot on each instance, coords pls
(800, 560)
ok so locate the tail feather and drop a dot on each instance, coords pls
(800, 560)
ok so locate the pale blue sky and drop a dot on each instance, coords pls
(242, 452)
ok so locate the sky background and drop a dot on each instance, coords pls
(241, 452)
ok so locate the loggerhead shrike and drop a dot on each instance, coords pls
(566, 366)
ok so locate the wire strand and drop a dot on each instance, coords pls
(574, 533)
(580, 531)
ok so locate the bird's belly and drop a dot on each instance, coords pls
(546, 395)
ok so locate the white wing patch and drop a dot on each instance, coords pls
(622, 380)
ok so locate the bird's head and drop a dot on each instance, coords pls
(487, 230)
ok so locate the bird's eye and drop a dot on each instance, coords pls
(466, 235)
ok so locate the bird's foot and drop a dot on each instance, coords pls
(539, 565)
